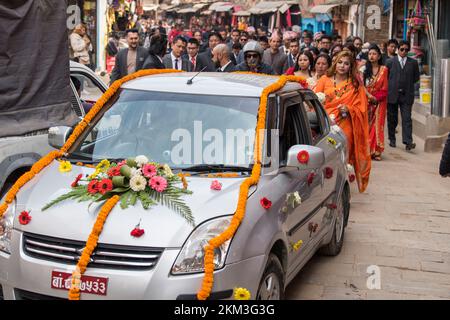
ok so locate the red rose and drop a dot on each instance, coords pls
(77, 179)
(328, 172)
(311, 176)
(93, 187)
(266, 203)
(104, 186)
(24, 217)
(137, 232)
(303, 157)
(351, 177)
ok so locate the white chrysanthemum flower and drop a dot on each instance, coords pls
(167, 171)
(297, 198)
(141, 160)
(138, 183)
(321, 96)
(135, 172)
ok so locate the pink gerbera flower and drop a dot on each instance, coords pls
(158, 183)
(149, 170)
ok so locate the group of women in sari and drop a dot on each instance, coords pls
(355, 100)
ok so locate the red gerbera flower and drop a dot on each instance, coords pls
(114, 171)
(137, 232)
(104, 186)
(303, 157)
(351, 177)
(265, 203)
(24, 217)
(328, 172)
(77, 179)
(93, 187)
(311, 177)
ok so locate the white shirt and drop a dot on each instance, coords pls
(223, 68)
(173, 61)
(402, 61)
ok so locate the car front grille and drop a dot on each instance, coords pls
(105, 255)
(28, 295)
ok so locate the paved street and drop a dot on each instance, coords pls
(401, 224)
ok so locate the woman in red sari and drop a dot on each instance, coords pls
(346, 102)
(376, 82)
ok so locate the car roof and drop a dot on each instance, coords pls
(211, 83)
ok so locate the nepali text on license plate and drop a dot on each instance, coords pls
(92, 285)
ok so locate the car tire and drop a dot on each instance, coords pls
(334, 247)
(271, 286)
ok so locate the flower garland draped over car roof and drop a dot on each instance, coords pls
(208, 280)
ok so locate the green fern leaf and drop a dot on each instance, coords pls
(173, 202)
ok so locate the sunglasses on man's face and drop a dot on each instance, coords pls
(251, 55)
(404, 49)
(243, 39)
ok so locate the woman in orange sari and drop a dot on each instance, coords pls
(346, 102)
(376, 82)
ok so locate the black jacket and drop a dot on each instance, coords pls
(411, 76)
(444, 167)
(153, 62)
(263, 68)
(205, 59)
(120, 69)
(229, 68)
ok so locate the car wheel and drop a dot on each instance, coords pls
(337, 240)
(271, 286)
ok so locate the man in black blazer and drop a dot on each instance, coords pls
(131, 59)
(206, 57)
(174, 59)
(221, 58)
(403, 74)
(193, 47)
(157, 50)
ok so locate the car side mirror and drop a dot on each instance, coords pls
(305, 157)
(57, 136)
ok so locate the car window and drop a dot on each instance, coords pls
(315, 117)
(291, 134)
(87, 90)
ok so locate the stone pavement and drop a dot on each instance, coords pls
(401, 224)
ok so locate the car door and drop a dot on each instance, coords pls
(325, 188)
(295, 215)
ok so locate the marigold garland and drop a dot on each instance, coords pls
(91, 244)
(208, 278)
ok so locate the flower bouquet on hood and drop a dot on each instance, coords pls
(133, 179)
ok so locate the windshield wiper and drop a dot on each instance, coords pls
(217, 168)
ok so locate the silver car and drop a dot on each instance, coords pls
(203, 128)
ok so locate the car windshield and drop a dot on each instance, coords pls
(182, 130)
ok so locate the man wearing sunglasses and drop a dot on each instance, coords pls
(403, 74)
(253, 59)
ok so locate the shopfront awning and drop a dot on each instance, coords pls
(216, 5)
(242, 13)
(264, 7)
(151, 7)
(224, 8)
(187, 10)
(323, 8)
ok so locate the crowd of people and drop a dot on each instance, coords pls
(363, 83)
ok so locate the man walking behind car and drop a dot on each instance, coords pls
(221, 58)
(273, 56)
(253, 59)
(403, 74)
(131, 59)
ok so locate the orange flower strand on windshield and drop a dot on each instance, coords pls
(208, 278)
(91, 244)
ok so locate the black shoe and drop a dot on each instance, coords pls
(410, 146)
(392, 143)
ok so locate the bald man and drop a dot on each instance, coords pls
(221, 58)
(273, 56)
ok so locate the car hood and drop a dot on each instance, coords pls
(74, 220)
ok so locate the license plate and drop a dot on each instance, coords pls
(91, 285)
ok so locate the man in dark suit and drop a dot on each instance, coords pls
(193, 47)
(157, 50)
(131, 59)
(403, 74)
(294, 47)
(221, 58)
(174, 59)
(206, 57)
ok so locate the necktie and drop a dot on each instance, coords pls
(403, 63)
(193, 62)
(176, 64)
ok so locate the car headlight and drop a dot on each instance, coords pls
(191, 257)
(6, 227)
